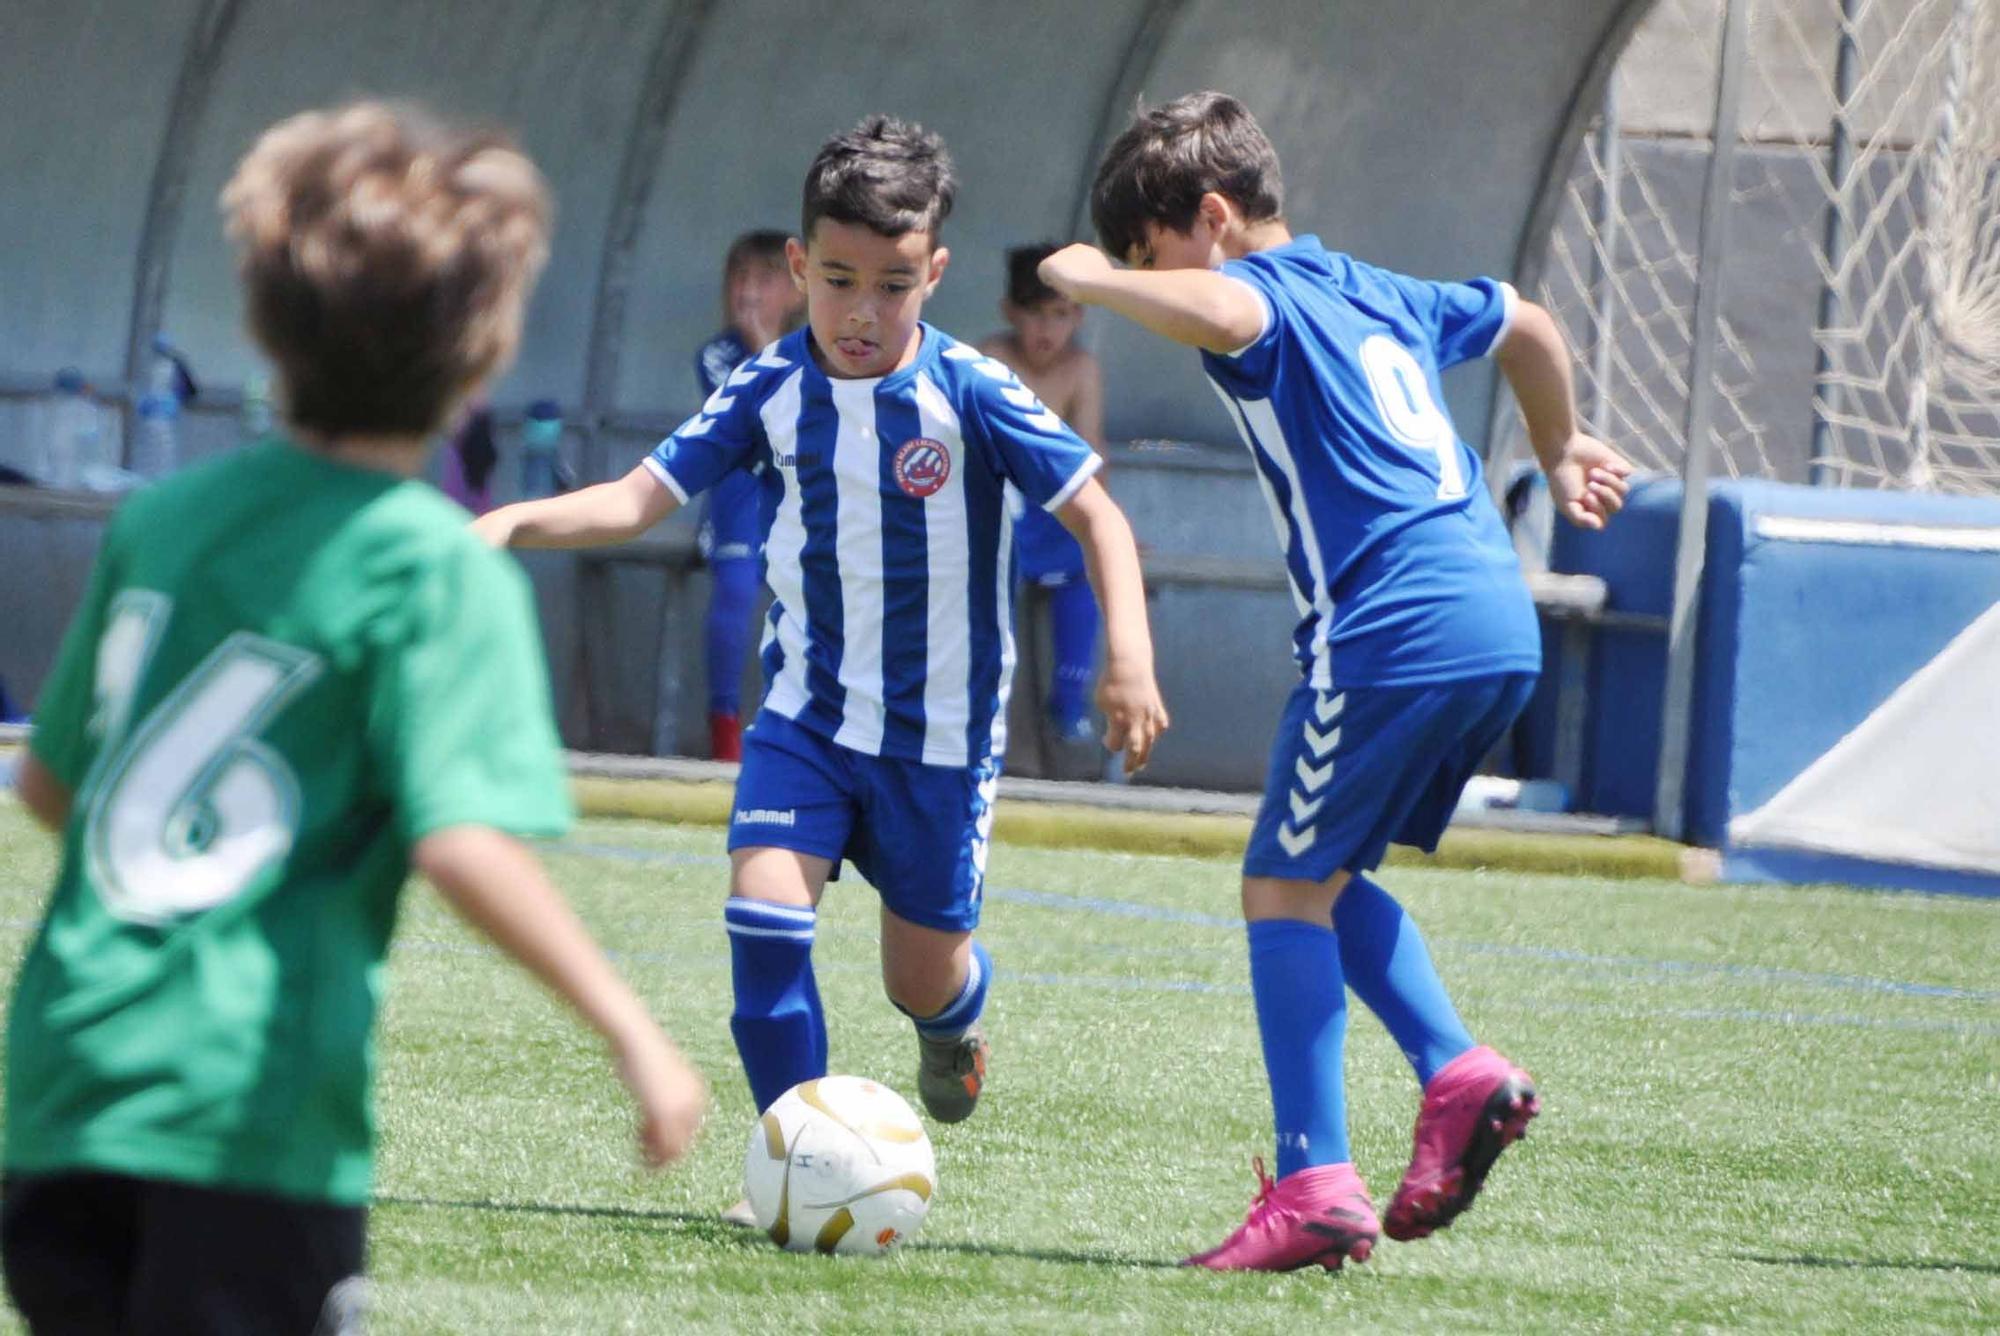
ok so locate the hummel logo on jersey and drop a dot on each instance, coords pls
(806, 459)
(766, 816)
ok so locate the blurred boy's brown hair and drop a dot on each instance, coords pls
(385, 259)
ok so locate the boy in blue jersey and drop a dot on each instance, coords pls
(1040, 347)
(1417, 637)
(760, 302)
(883, 448)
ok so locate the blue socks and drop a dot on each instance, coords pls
(1389, 968)
(1295, 977)
(1299, 976)
(779, 1027)
(1073, 625)
(732, 599)
(959, 1014)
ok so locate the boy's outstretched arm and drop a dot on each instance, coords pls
(1197, 307)
(1587, 478)
(1128, 694)
(498, 885)
(46, 797)
(610, 512)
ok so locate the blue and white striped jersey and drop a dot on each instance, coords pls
(888, 547)
(1400, 565)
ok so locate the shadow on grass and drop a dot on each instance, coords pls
(1117, 1260)
(709, 1228)
(1872, 1263)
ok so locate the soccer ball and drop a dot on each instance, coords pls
(839, 1165)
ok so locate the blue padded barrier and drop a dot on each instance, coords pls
(1817, 606)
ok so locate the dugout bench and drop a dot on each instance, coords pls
(1572, 607)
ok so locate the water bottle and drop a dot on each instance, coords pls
(258, 416)
(1500, 793)
(541, 439)
(76, 433)
(158, 446)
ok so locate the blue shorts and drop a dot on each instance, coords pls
(1356, 769)
(1044, 551)
(917, 832)
(731, 526)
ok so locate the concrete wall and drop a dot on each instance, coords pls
(564, 78)
(1413, 135)
(85, 90)
(1014, 89)
(737, 93)
(1418, 136)
(47, 544)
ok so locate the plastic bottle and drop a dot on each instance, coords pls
(258, 416)
(541, 440)
(75, 438)
(1499, 793)
(158, 446)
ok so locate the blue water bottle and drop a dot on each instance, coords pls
(158, 445)
(541, 445)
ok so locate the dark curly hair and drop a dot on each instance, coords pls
(890, 176)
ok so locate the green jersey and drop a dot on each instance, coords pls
(285, 672)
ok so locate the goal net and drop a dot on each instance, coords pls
(1859, 343)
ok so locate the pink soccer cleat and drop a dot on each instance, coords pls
(1317, 1215)
(1474, 1108)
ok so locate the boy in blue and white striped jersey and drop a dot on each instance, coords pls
(883, 448)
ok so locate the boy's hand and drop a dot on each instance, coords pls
(1589, 482)
(672, 1097)
(1134, 713)
(1073, 268)
(496, 527)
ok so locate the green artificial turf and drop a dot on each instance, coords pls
(1770, 1108)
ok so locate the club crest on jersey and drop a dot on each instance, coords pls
(922, 467)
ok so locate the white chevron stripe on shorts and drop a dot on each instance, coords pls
(1306, 798)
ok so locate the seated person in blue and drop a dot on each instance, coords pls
(760, 302)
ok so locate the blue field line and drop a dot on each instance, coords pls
(1849, 1020)
(644, 857)
(1144, 984)
(1120, 983)
(1097, 904)
(1552, 955)
(1136, 909)
(1758, 973)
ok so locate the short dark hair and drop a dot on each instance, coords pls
(764, 245)
(890, 176)
(1170, 156)
(1024, 274)
(386, 258)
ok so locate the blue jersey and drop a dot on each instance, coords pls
(717, 358)
(889, 550)
(1400, 566)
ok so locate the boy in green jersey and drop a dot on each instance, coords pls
(296, 674)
